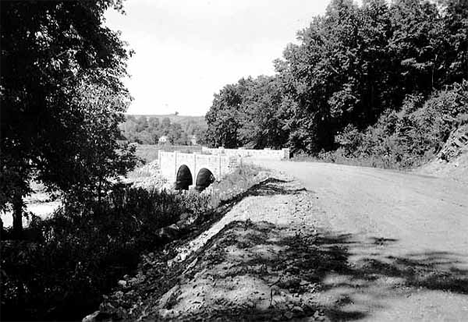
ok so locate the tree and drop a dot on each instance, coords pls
(348, 68)
(174, 134)
(94, 158)
(261, 123)
(142, 124)
(355, 62)
(153, 123)
(166, 123)
(200, 136)
(455, 17)
(57, 62)
(315, 72)
(223, 117)
(418, 45)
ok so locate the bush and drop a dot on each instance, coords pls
(82, 250)
(405, 138)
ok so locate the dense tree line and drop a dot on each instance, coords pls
(349, 67)
(149, 129)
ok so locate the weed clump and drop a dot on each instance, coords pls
(81, 251)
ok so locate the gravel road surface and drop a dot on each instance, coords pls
(414, 227)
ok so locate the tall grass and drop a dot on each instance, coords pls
(81, 251)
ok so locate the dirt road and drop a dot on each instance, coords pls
(422, 213)
(397, 219)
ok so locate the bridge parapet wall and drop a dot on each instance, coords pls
(219, 165)
(250, 153)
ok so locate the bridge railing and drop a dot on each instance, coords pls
(270, 154)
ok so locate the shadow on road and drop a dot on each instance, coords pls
(293, 270)
(291, 267)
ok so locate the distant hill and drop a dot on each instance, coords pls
(181, 119)
(170, 128)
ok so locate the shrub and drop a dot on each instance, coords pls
(82, 250)
(406, 138)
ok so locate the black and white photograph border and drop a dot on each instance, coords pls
(234, 160)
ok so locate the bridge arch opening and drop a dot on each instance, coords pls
(183, 178)
(204, 178)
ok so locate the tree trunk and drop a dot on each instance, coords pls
(99, 193)
(18, 206)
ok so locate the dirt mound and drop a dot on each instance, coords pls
(456, 144)
(147, 176)
(452, 160)
(251, 271)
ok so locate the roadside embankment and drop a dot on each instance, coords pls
(247, 265)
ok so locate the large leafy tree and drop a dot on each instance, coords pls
(455, 17)
(417, 47)
(319, 76)
(248, 113)
(223, 117)
(261, 115)
(61, 98)
(354, 63)
(93, 158)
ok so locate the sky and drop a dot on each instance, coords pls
(188, 50)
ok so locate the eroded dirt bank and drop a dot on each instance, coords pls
(341, 243)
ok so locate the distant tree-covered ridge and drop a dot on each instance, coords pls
(349, 70)
(170, 129)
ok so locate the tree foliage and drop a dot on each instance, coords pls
(247, 114)
(148, 129)
(411, 136)
(223, 117)
(61, 97)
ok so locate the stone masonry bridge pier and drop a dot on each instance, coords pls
(195, 169)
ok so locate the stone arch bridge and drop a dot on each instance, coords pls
(191, 167)
(197, 169)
